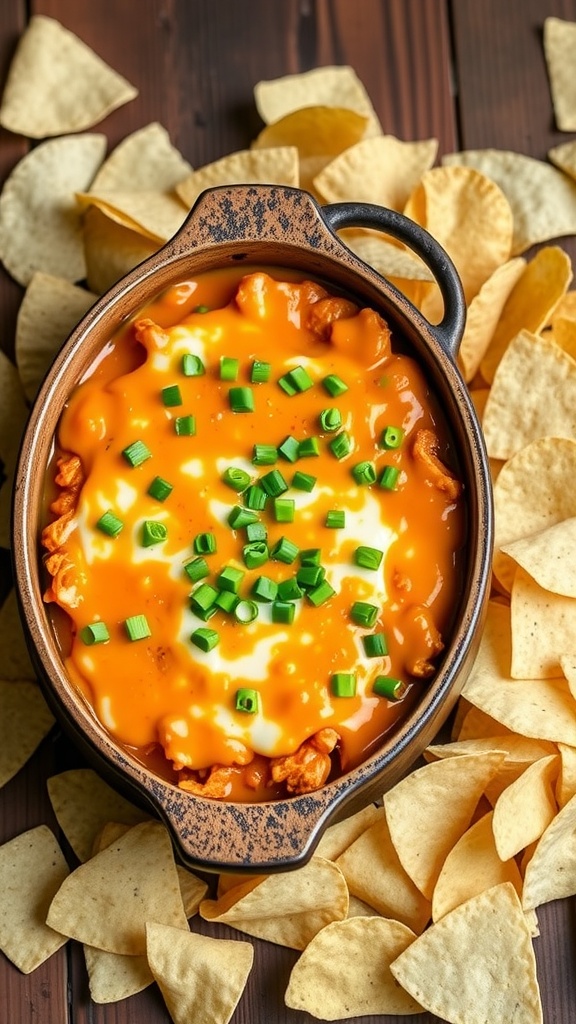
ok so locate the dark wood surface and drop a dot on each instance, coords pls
(471, 73)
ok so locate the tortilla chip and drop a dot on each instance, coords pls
(430, 810)
(145, 159)
(288, 909)
(551, 871)
(111, 250)
(150, 212)
(16, 662)
(477, 724)
(107, 901)
(25, 720)
(543, 627)
(387, 259)
(344, 971)
(563, 334)
(566, 783)
(357, 908)
(40, 227)
(32, 869)
(112, 977)
(548, 557)
(332, 86)
(340, 836)
(559, 50)
(564, 157)
(39, 98)
(522, 509)
(484, 311)
(83, 803)
(277, 165)
(375, 875)
(543, 200)
(201, 979)
(526, 808)
(382, 170)
(471, 867)
(476, 964)
(49, 311)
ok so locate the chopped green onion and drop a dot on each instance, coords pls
(241, 399)
(320, 594)
(237, 479)
(205, 544)
(226, 601)
(185, 426)
(289, 590)
(153, 533)
(256, 531)
(171, 396)
(192, 366)
(311, 556)
(308, 447)
(247, 700)
(265, 454)
(336, 519)
(289, 449)
(389, 478)
(367, 557)
(387, 686)
(310, 576)
(364, 473)
(334, 385)
(136, 453)
(110, 524)
(284, 551)
(246, 611)
(364, 614)
(260, 372)
(343, 684)
(264, 589)
(299, 379)
(203, 597)
(330, 419)
(205, 639)
(239, 517)
(286, 385)
(196, 569)
(391, 437)
(160, 489)
(201, 309)
(303, 481)
(255, 554)
(95, 633)
(255, 498)
(341, 445)
(283, 612)
(273, 483)
(229, 368)
(375, 645)
(230, 579)
(284, 510)
(137, 627)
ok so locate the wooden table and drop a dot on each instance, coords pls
(471, 73)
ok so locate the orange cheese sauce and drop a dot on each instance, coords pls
(162, 692)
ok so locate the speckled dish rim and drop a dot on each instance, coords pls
(277, 227)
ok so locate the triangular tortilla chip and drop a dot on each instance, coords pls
(484, 311)
(381, 170)
(525, 808)
(340, 836)
(551, 872)
(277, 165)
(111, 250)
(25, 720)
(559, 50)
(543, 627)
(145, 159)
(333, 86)
(548, 557)
(112, 977)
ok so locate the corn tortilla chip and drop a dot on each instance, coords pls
(25, 720)
(112, 977)
(430, 809)
(111, 250)
(472, 866)
(288, 909)
(551, 871)
(340, 836)
(568, 666)
(16, 662)
(145, 159)
(38, 98)
(477, 964)
(335, 86)
(547, 557)
(484, 311)
(201, 979)
(477, 724)
(563, 334)
(526, 807)
(543, 627)
(32, 869)
(275, 166)
(83, 803)
(559, 50)
(344, 971)
(107, 901)
(389, 260)
(152, 213)
(566, 783)
(564, 157)
(40, 226)
(49, 311)
(382, 170)
(357, 908)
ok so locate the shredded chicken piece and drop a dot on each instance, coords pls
(63, 587)
(308, 768)
(425, 448)
(56, 534)
(323, 313)
(423, 641)
(149, 334)
(217, 786)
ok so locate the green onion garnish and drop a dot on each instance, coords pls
(289, 449)
(264, 454)
(375, 645)
(192, 366)
(255, 498)
(136, 453)
(286, 385)
(202, 599)
(341, 445)
(310, 576)
(246, 611)
(284, 551)
(230, 579)
(237, 479)
(289, 590)
(229, 368)
(256, 531)
(273, 483)
(110, 524)
(201, 309)
(264, 589)
(260, 372)
(330, 419)
(185, 426)
(311, 556)
(205, 544)
(241, 399)
(364, 473)
(196, 569)
(334, 385)
(303, 481)
(153, 533)
(364, 614)
(255, 554)
(389, 478)
(137, 627)
(391, 437)
(320, 594)
(284, 510)
(205, 639)
(239, 517)
(226, 601)
(247, 700)
(299, 379)
(171, 396)
(343, 684)
(283, 612)
(336, 519)
(387, 686)
(367, 557)
(160, 489)
(95, 633)
(309, 447)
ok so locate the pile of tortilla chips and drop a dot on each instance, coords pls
(422, 901)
